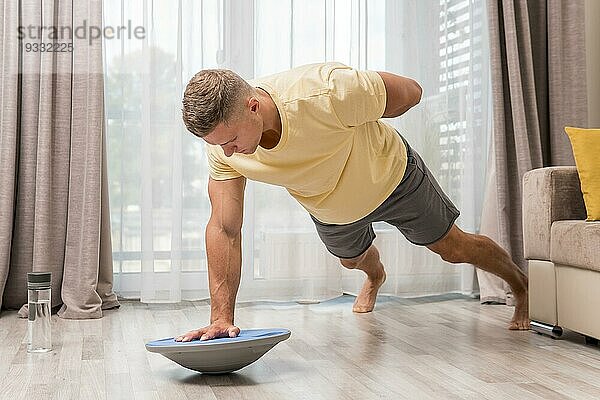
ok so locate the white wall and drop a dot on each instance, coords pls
(592, 37)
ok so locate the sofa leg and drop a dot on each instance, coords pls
(592, 341)
(553, 331)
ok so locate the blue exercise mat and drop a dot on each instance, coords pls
(221, 355)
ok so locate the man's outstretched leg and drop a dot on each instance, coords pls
(370, 263)
(461, 247)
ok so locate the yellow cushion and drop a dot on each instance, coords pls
(586, 149)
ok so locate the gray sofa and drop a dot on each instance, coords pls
(563, 252)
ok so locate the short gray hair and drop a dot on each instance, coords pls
(213, 96)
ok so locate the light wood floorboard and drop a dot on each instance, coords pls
(447, 347)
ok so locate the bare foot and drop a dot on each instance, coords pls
(520, 320)
(365, 301)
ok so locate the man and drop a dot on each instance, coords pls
(316, 130)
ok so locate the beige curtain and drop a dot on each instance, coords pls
(53, 183)
(538, 75)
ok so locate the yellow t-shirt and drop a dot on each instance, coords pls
(335, 156)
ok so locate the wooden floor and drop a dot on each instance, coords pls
(435, 348)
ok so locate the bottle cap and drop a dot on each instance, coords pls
(39, 280)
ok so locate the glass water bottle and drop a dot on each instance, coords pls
(39, 296)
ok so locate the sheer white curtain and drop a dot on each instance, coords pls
(158, 172)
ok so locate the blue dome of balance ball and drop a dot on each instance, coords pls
(222, 355)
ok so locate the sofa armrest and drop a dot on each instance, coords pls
(549, 194)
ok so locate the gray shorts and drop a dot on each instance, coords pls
(418, 207)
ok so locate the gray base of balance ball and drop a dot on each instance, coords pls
(222, 355)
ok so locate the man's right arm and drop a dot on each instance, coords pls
(224, 246)
(224, 257)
